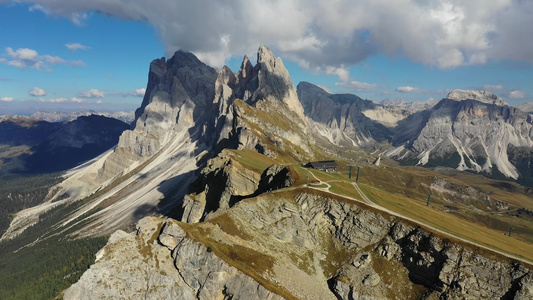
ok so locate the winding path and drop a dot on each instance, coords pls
(369, 202)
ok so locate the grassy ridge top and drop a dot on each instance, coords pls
(466, 205)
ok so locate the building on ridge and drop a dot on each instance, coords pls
(323, 165)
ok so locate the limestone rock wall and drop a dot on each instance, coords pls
(159, 261)
(224, 182)
(317, 248)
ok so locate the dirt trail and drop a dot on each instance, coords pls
(364, 199)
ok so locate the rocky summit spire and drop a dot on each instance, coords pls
(268, 80)
(275, 81)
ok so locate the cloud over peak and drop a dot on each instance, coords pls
(327, 37)
(516, 94)
(92, 93)
(410, 89)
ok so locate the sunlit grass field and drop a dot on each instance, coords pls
(405, 190)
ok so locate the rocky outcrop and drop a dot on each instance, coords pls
(221, 182)
(307, 246)
(225, 181)
(162, 263)
(262, 110)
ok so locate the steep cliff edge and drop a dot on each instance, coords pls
(296, 245)
(344, 116)
(190, 112)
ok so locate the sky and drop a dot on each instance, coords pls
(72, 55)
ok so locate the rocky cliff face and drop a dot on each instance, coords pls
(468, 130)
(347, 119)
(479, 133)
(189, 113)
(162, 262)
(225, 182)
(303, 246)
(259, 109)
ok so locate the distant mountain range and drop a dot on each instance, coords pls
(69, 116)
(467, 130)
(414, 105)
(35, 146)
(527, 107)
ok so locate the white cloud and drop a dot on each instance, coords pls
(7, 99)
(92, 93)
(57, 100)
(22, 53)
(341, 72)
(29, 58)
(37, 92)
(76, 46)
(136, 93)
(410, 89)
(53, 59)
(77, 100)
(53, 100)
(357, 86)
(17, 64)
(76, 63)
(140, 92)
(516, 94)
(493, 88)
(99, 102)
(320, 34)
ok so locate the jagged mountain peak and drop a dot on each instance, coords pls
(481, 96)
(266, 57)
(274, 82)
(246, 72)
(189, 112)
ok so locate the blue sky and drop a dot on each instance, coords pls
(75, 55)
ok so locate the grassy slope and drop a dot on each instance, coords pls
(405, 190)
(454, 223)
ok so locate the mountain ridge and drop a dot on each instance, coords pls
(223, 151)
(172, 135)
